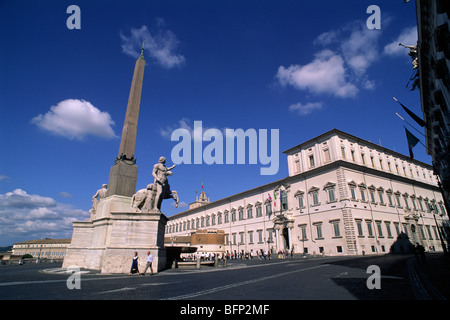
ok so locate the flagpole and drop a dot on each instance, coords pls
(409, 124)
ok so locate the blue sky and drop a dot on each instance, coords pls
(303, 67)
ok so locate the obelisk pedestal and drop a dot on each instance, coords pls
(108, 242)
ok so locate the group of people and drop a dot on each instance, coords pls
(284, 254)
(134, 265)
(252, 254)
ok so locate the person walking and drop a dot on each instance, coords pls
(149, 263)
(134, 264)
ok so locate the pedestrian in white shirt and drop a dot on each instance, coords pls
(149, 263)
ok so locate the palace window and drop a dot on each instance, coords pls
(388, 228)
(405, 197)
(397, 197)
(270, 235)
(329, 188)
(362, 190)
(397, 228)
(219, 218)
(311, 161)
(441, 205)
(372, 194)
(427, 205)
(319, 234)
(359, 227)
(284, 200)
(336, 229)
(369, 228)
(258, 210)
(380, 196)
(241, 213)
(314, 193)
(268, 208)
(413, 200)
(352, 186)
(250, 237)
(379, 228)
(303, 236)
(430, 236)
(249, 212)
(299, 195)
(260, 236)
(326, 154)
(420, 203)
(297, 165)
(241, 238)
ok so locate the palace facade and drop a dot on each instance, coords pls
(42, 248)
(343, 196)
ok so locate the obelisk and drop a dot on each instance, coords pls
(123, 174)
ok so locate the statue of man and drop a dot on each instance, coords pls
(99, 195)
(413, 54)
(161, 183)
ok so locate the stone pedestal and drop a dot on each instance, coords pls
(122, 179)
(108, 242)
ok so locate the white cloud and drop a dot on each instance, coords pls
(326, 38)
(4, 177)
(326, 74)
(304, 109)
(21, 199)
(65, 194)
(25, 216)
(76, 119)
(408, 36)
(339, 68)
(161, 45)
(360, 49)
(186, 124)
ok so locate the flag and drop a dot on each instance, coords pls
(275, 197)
(412, 141)
(270, 198)
(412, 115)
(202, 185)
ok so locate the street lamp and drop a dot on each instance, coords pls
(303, 244)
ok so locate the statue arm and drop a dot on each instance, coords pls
(172, 167)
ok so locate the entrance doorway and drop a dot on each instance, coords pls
(286, 238)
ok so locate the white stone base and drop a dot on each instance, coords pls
(108, 242)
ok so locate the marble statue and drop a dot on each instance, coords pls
(413, 54)
(142, 201)
(161, 187)
(97, 197)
